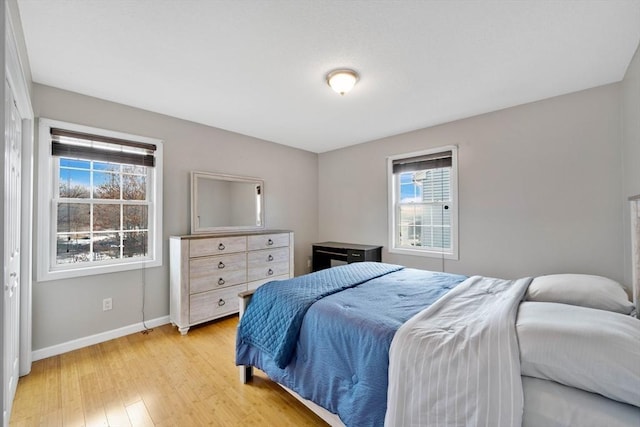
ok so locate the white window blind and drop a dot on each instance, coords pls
(80, 145)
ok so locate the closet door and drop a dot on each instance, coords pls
(11, 277)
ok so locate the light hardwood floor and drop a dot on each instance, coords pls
(160, 378)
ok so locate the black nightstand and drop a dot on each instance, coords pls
(328, 254)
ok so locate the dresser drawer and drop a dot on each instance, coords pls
(212, 304)
(217, 245)
(354, 255)
(267, 257)
(217, 271)
(265, 241)
(257, 283)
(268, 272)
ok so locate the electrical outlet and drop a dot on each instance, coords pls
(107, 304)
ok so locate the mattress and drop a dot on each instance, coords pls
(549, 404)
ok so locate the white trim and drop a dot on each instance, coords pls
(20, 89)
(68, 346)
(46, 250)
(454, 255)
(423, 252)
(26, 243)
(14, 71)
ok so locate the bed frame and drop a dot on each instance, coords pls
(246, 374)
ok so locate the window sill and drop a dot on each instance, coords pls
(44, 276)
(423, 253)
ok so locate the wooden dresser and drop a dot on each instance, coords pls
(207, 271)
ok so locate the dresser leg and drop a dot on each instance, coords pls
(183, 331)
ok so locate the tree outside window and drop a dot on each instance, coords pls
(102, 211)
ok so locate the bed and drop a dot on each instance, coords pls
(373, 344)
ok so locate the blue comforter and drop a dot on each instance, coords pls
(272, 322)
(342, 353)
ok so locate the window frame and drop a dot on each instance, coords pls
(47, 268)
(393, 185)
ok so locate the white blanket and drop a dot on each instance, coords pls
(456, 363)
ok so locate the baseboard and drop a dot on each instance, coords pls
(57, 349)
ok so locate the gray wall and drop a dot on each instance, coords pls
(69, 309)
(539, 188)
(631, 148)
(539, 192)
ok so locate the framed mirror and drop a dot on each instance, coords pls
(222, 203)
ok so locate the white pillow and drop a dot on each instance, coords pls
(580, 289)
(593, 350)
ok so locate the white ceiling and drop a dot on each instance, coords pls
(257, 67)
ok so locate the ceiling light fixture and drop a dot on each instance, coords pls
(342, 81)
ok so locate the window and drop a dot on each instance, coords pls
(423, 203)
(100, 201)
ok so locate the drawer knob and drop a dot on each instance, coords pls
(221, 264)
(221, 302)
(221, 281)
(270, 272)
(221, 247)
(269, 242)
(270, 258)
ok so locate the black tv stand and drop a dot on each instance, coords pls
(329, 254)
